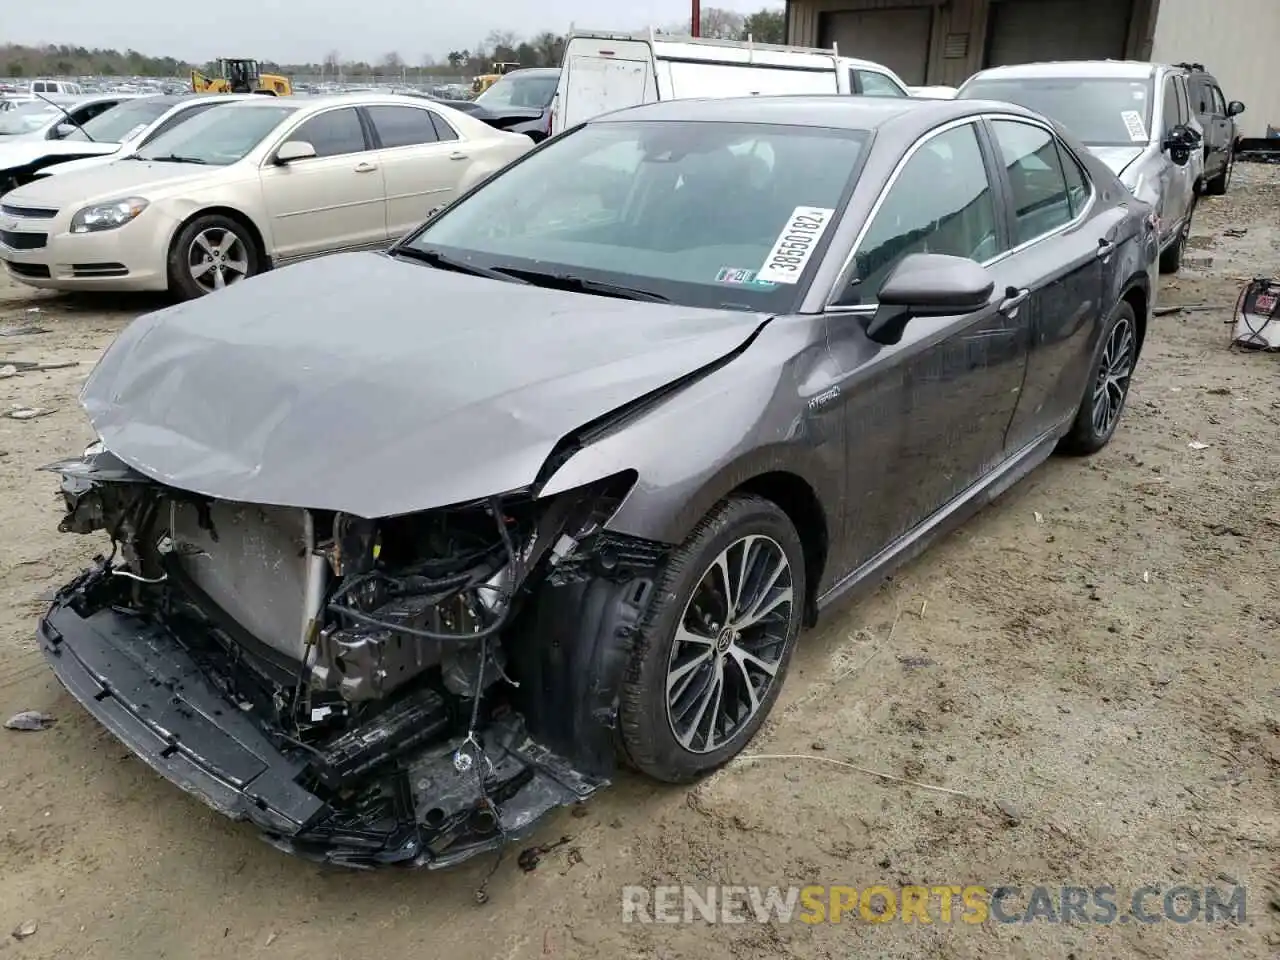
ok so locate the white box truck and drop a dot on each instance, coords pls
(602, 72)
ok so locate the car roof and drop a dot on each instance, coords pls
(910, 117)
(254, 102)
(534, 71)
(1118, 69)
(162, 98)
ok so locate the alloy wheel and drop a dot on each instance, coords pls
(217, 258)
(730, 643)
(1114, 371)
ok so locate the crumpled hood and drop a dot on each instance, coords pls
(1117, 158)
(378, 386)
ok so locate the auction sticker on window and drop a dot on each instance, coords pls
(795, 245)
(1133, 122)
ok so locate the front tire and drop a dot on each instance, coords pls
(713, 649)
(1108, 386)
(210, 253)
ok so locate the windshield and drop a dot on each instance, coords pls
(26, 117)
(1100, 112)
(706, 214)
(120, 122)
(218, 137)
(521, 91)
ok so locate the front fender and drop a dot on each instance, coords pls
(756, 415)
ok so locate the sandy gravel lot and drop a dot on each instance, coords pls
(1093, 663)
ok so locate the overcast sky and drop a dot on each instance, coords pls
(299, 31)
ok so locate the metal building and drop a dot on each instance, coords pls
(945, 41)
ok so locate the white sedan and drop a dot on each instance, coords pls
(247, 187)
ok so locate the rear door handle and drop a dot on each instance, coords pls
(1013, 299)
(457, 155)
(366, 167)
(1105, 248)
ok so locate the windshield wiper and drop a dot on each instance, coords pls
(567, 281)
(70, 119)
(176, 158)
(443, 261)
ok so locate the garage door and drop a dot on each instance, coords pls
(898, 38)
(1025, 31)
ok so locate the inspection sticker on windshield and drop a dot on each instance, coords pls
(795, 245)
(1137, 129)
(741, 277)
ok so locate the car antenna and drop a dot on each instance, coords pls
(74, 122)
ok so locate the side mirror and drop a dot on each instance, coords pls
(928, 285)
(63, 130)
(1235, 108)
(1180, 141)
(292, 150)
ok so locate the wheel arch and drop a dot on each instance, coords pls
(231, 213)
(793, 495)
(1137, 294)
(781, 474)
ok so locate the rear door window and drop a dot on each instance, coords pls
(1079, 186)
(1041, 195)
(402, 126)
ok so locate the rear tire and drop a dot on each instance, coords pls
(713, 649)
(209, 247)
(1108, 386)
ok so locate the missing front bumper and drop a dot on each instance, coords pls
(148, 688)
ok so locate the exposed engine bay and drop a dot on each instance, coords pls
(414, 689)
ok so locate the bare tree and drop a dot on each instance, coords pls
(722, 24)
(501, 38)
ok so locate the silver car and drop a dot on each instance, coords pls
(1136, 117)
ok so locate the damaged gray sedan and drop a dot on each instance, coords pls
(408, 549)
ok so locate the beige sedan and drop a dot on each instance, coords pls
(247, 187)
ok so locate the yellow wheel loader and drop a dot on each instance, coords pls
(487, 80)
(241, 76)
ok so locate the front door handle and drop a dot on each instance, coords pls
(457, 155)
(366, 167)
(1013, 299)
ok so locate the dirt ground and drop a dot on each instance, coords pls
(1094, 663)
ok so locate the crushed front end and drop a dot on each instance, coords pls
(414, 689)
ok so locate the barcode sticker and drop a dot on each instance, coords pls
(795, 245)
(1133, 123)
